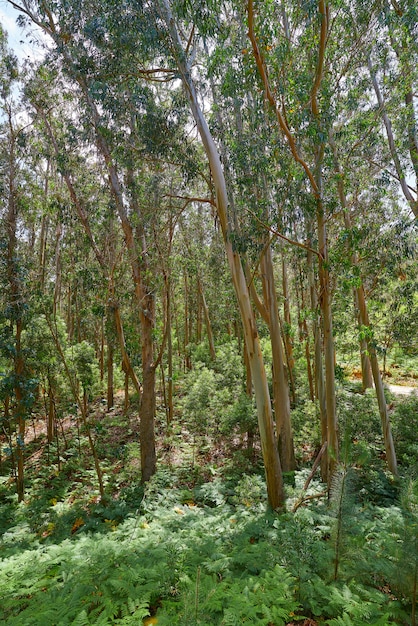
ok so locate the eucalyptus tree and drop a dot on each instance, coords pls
(302, 113)
(366, 331)
(183, 58)
(17, 386)
(359, 157)
(242, 132)
(88, 203)
(391, 58)
(131, 126)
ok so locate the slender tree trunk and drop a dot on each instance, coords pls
(207, 321)
(77, 317)
(170, 406)
(378, 383)
(200, 307)
(51, 427)
(125, 390)
(43, 237)
(366, 370)
(20, 412)
(319, 371)
(280, 385)
(110, 378)
(127, 365)
(287, 328)
(249, 393)
(57, 287)
(304, 332)
(148, 404)
(329, 352)
(413, 202)
(16, 304)
(187, 360)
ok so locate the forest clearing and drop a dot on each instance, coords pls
(208, 312)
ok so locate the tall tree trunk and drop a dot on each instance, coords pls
(137, 252)
(126, 361)
(57, 287)
(16, 304)
(51, 426)
(378, 383)
(20, 411)
(110, 377)
(315, 180)
(366, 370)
(329, 352)
(200, 305)
(102, 349)
(319, 371)
(43, 237)
(207, 321)
(287, 328)
(187, 360)
(280, 385)
(249, 394)
(268, 441)
(303, 331)
(170, 406)
(148, 405)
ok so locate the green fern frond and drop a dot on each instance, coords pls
(342, 508)
(81, 619)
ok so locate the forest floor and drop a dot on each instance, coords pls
(196, 545)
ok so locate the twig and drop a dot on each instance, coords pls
(315, 466)
(281, 236)
(302, 498)
(313, 496)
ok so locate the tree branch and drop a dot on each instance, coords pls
(281, 236)
(323, 10)
(261, 66)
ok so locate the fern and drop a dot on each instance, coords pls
(346, 620)
(342, 506)
(355, 605)
(150, 564)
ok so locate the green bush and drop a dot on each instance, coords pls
(405, 428)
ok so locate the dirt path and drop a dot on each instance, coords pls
(401, 390)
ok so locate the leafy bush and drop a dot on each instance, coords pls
(405, 428)
(213, 401)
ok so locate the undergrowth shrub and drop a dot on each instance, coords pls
(250, 491)
(214, 402)
(306, 427)
(359, 412)
(263, 600)
(202, 555)
(401, 546)
(405, 428)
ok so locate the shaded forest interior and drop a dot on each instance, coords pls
(209, 290)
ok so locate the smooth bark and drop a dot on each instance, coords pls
(208, 324)
(280, 385)
(287, 328)
(271, 458)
